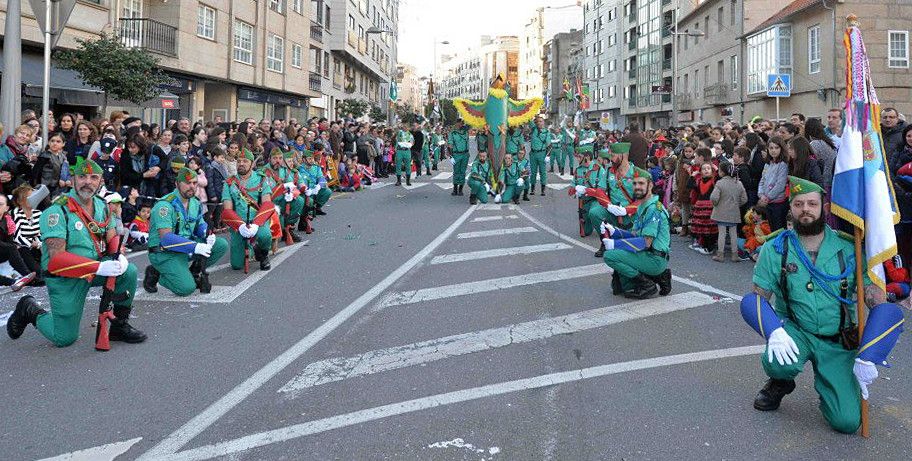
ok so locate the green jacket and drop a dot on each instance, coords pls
(540, 139)
(509, 175)
(58, 221)
(651, 220)
(481, 171)
(169, 213)
(459, 141)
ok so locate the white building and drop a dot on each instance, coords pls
(541, 27)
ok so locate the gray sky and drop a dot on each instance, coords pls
(461, 22)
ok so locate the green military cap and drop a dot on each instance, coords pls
(604, 152)
(288, 154)
(186, 175)
(307, 153)
(276, 152)
(620, 148)
(641, 173)
(248, 155)
(178, 162)
(798, 186)
(84, 167)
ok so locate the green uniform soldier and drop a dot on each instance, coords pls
(811, 272)
(404, 142)
(316, 193)
(509, 181)
(480, 179)
(522, 164)
(179, 245)
(481, 140)
(515, 141)
(557, 150)
(617, 182)
(437, 143)
(585, 143)
(248, 210)
(639, 257)
(286, 193)
(541, 149)
(426, 150)
(568, 144)
(77, 232)
(586, 176)
(459, 155)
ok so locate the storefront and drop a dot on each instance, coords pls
(260, 104)
(67, 92)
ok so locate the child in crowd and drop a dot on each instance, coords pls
(139, 228)
(727, 197)
(664, 185)
(652, 164)
(756, 230)
(682, 185)
(702, 226)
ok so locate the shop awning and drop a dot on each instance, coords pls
(66, 86)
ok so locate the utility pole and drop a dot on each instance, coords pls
(11, 93)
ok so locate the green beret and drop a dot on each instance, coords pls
(604, 153)
(798, 186)
(288, 154)
(186, 175)
(307, 153)
(276, 152)
(84, 167)
(178, 162)
(248, 155)
(620, 148)
(641, 173)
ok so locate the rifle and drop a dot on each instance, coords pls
(247, 245)
(582, 217)
(106, 306)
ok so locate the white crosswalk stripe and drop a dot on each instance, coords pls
(340, 368)
(443, 175)
(559, 186)
(493, 232)
(495, 206)
(498, 252)
(483, 286)
(445, 185)
(494, 218)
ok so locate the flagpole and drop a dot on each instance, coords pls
(862, 316)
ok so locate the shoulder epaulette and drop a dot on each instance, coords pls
(846, 236)
(167, 197)
(774, 234)
(62, 200)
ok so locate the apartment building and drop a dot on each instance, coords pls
(558, 67)
(410, 87)
(546, 22)
(501, 57)
(647, 55)
(603, 58)
(468, 74)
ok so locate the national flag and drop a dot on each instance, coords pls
(584, 97)
(568, 93)
(862, 192)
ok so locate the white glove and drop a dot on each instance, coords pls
(609, 243)
(308, 192)
(405, 145)
(580, 191)
(606, 228)
(587, 141)
(210, 240)
(452, 161)
(112, 268)
(141, 237)
(616, 210)
(289, 197)
(782, 346)
(547, 159)
(316, 188)
(520, 182)
(865, 374)
(488, 188)
(248, 230)
(203, 249)
(497, 198)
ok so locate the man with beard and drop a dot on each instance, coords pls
(639, 257)
(248, 210)
(312, 178)
(811, 272)
(180, 247)
(286, 191)
(617, 182)
(78, 232)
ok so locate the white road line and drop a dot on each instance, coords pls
(379, 185)
(444, 186)
(558, 186)
(493, 232)
(692, 283)
(340, 368)
(494, 218)
(449, 398)
(443, 175)
(495, 206)
(483, 254)
(566, 177)
(221, 294)
(177, 439)
(483, 286)
(414, 185)
(107, 452)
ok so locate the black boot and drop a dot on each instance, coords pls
(516, 199)
(562, 172)
(769, 398)
(460, 190)
(663, 280)
(150, 279)
(601, 251)
(526, 195)
(302, 223)
(398, 180)
(643, 288)
(532, 189)
(408, 178)
(429, 170)
(27, 311)
(121, 330)
(542, 190)
(472, 199)
(197, 270)
(319, 211)
(551, 169)
(616, 287)
(455, 190)
(263, 257)
(435, 167)
(292, 235)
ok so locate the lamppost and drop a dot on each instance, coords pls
(673, 30)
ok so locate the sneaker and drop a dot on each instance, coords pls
(693, 246)
(743, 256)
(703, 251)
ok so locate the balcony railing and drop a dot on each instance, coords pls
(148, 34)
(666, 64)
(315, 81)
(316, 33)
(632, 73)
(631, 103)
(683, 100)
(362, 46)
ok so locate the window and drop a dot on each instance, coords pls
(611, 14)
(612, 91)
(296, 52)
(205, 22)
(275, 53)
(243, 42)
(612, 65)
(684, 38)
(277, 5)
(626, 92)
(814, 49)
(351, 22)
(768, 52)
(706, 26)
(696, 82)
(733, 64)
(720, 18)
(326, 64)
(733, 11)
(297, 6)
(612, 40)
(898, 41)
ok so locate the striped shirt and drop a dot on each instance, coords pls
(27, 230)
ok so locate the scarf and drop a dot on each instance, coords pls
(705, 185)
(14, 147)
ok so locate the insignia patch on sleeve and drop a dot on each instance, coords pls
(163, 212)
(53, 219)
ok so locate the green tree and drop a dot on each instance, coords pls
(128, 74)
(405, 113)
(376, 114)
(356, 107)
(449, 111)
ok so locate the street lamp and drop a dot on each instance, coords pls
(673, 30)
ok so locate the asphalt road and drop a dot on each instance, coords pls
(412, 326)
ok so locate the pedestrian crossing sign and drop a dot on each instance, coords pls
(778, 85)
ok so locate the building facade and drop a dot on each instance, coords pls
(647, 55)
(468, 74)
(558, 68)
(544, 24)
(603, 56)
(409, 87)
(501, 57)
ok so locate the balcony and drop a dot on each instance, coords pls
(683, 100)
(352, 38)
(632, 45)
(666, 64)
(362, 46)
(315, 82)
(316, 33)
(631, 103)
(337, 80)
(148, 34)
(632, 73)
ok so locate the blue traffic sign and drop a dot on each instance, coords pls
(778, 85)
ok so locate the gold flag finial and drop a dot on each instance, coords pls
(852, 20)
